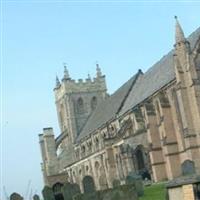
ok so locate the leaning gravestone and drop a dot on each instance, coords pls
(70, 190)
(136, 180)
(16, 196)
(36, 197)
(48, 193)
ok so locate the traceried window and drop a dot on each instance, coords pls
(93, 103)
(80, 105)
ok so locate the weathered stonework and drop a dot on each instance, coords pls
(149, 126)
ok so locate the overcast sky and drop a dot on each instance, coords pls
(38, 36)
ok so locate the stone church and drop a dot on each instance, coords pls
(149, 126)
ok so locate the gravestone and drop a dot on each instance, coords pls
(136, 180)
(57, 191)
(47, 193)
(36, 197)
(188, 167)
(16, 196)
(70, 190)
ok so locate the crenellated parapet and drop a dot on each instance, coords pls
(69, 86)
(76, 100)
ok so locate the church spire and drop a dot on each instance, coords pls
(57, 82)
(66, 73)
(179, 37)
(99, 74)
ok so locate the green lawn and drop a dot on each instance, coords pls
(154, 192)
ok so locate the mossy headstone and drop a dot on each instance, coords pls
(70, 190)
(136, 180)
(16, 196)
(47, 193)
(129, 192)
(36, 197)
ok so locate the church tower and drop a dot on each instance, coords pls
(75, 101)
(188, 96)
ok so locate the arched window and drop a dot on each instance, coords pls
(97, 165)
(93, 103)
(140, 159)
(80, 105)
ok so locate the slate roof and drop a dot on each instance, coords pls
(108, 109)
(159, 75)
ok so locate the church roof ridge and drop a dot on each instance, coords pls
(156, 77)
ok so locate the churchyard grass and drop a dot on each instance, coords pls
(154, 192)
